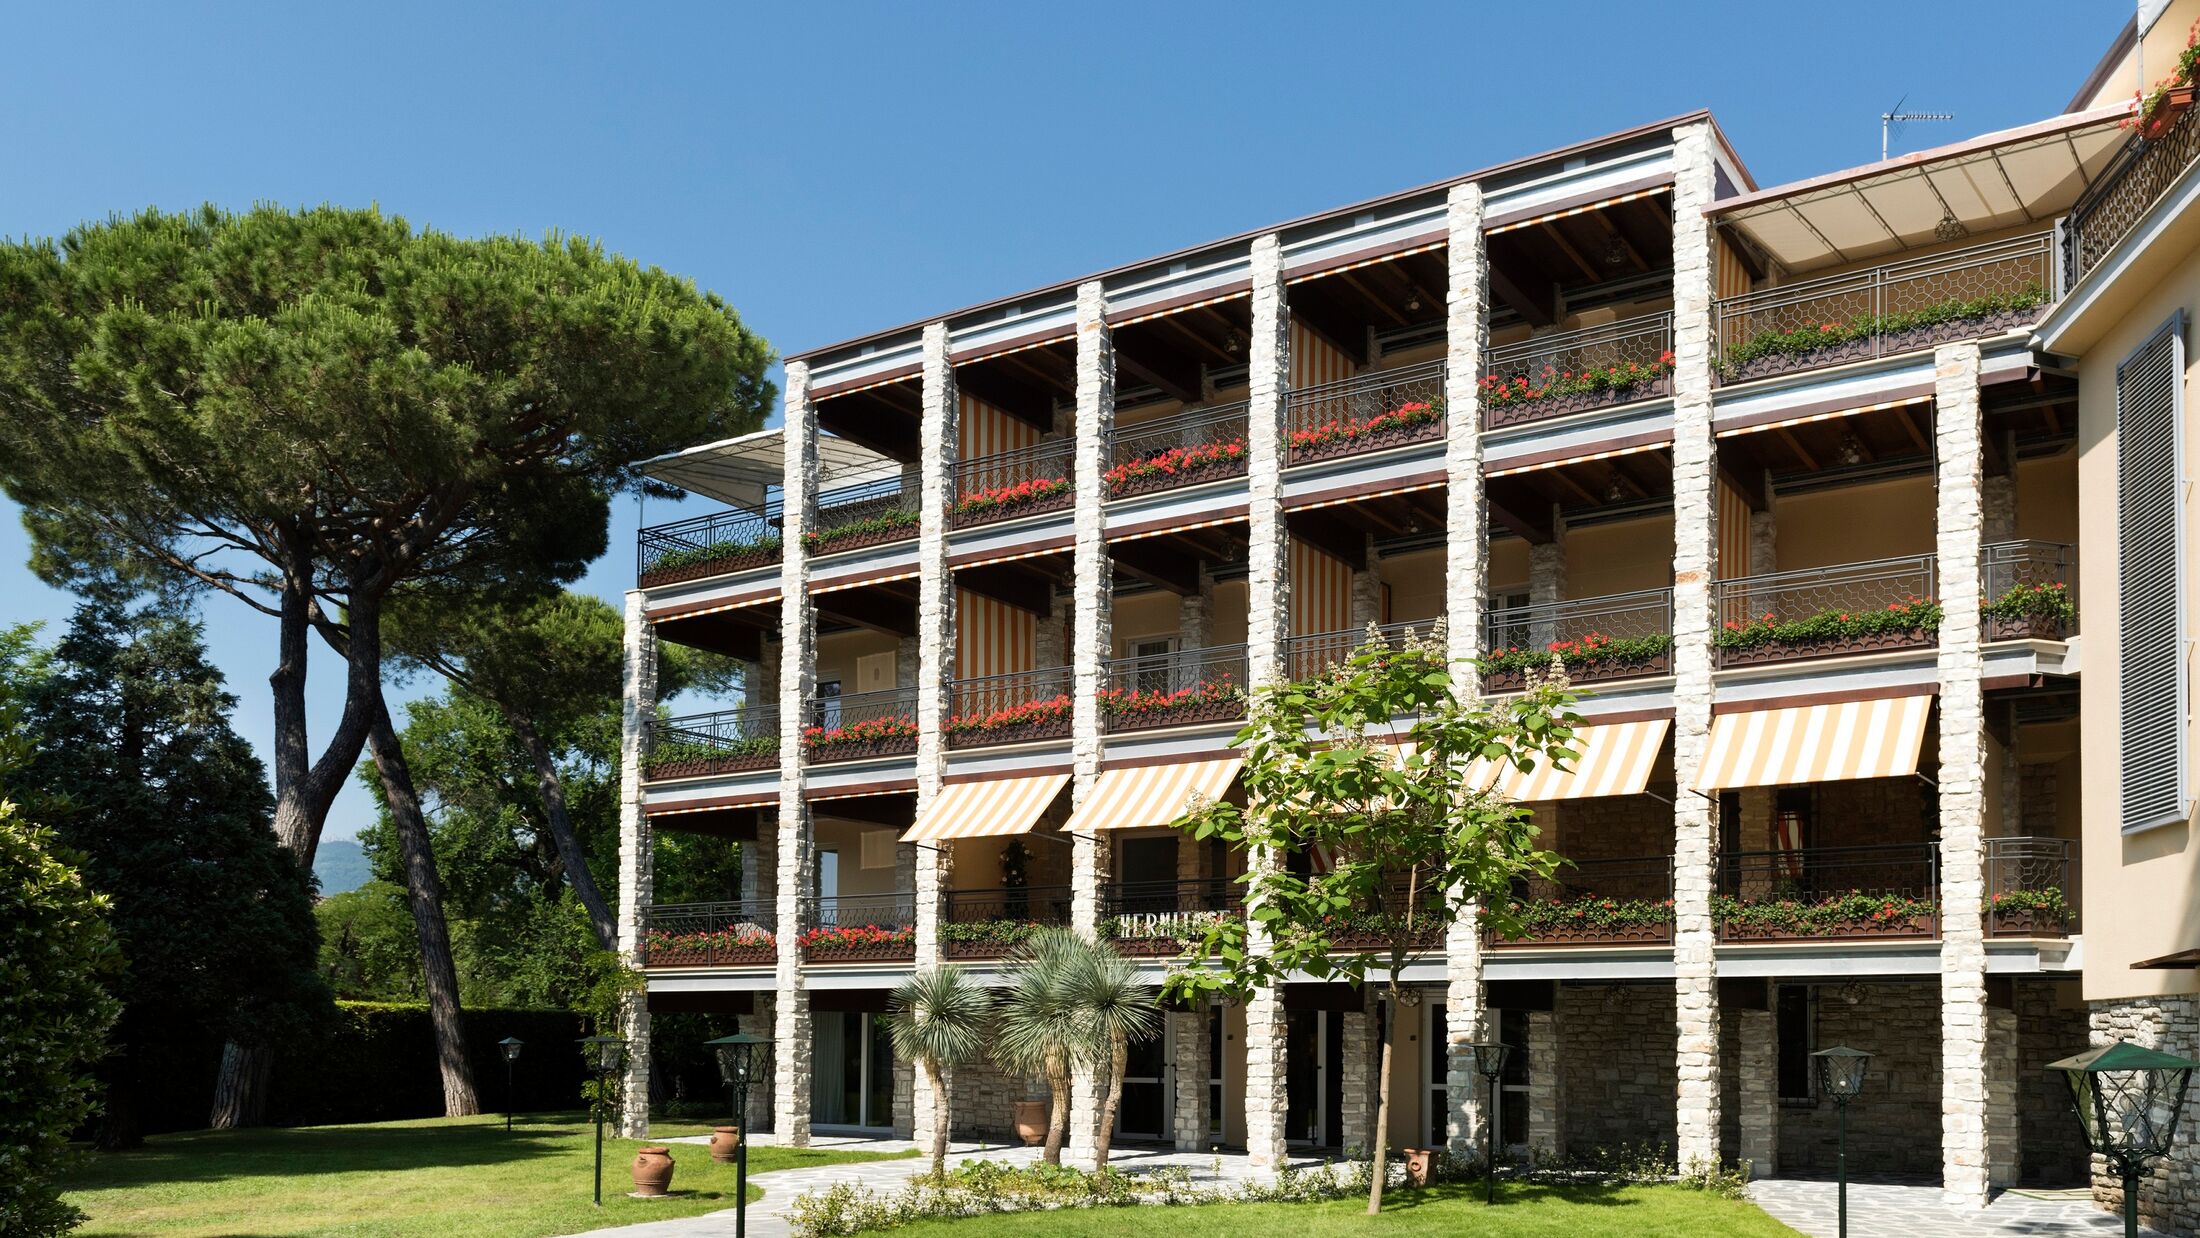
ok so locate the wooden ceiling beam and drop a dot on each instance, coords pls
(1175, 378)
(1320, 316)
(1141, 560)
(1539, 313)
(1213, 351)
(1010, 584)
(872, 608)
(1021, 400)
(1589, 270)
(1536, 533)
(1325, 531)
(1379, 301)
(1747, 482)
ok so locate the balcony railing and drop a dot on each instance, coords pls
(733, 540)
(1827, 611)
(2030, 591)
(1367, 413)
(1009, 709)
(1575, 371)
(987, 924)
(1204, 444)
(1158, 919)
(1955, 295)
(869, 513)
(1846, 892)
(730, 741)
(1619, 636)
(2031, 887)
(1312, 654)
(1625, 902)
(860, 928)
(2134, 181)
(1023, 482)
(1174, 689)
(739, 934)
(865, 724)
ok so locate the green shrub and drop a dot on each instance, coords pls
(379, 1064)
(1826, 334)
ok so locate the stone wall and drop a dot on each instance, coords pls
(1616, 827)
(1616, 1044)
(1894, 1126)
(1871, 812)
(2169, 1196)
(983, 1102)
(2051, 1025)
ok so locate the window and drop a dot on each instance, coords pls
(1436, 1035)
(1512, 1086)
(827, 710)
(1508, 619)
(1155, 662)
(2150, 579)
(1792, 1028)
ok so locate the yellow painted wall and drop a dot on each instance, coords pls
(1416, 585)
(837, 654)
(1144, 615)
(1227, 626)
(1508, 569)
(1853, 524)
(1620, 557)
(2047, 498)
(846, 837)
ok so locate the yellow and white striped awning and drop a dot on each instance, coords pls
(1815, 743)
(1615, 759)
(1148, 796)
(990, 808)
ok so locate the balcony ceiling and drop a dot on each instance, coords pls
(1026, 384)
(1406, 291)
(2015, 178)
(1523, 503)
(1578, 254)
(740, 470)
(1165, 354)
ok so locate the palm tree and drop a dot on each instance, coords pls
(1041, 1028)
(938, 1018)
(1119, 1012)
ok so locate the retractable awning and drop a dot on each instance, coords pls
(1615, 759)
(988, 808)
(1149, 796)
(1815, 743)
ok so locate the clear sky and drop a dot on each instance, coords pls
(834, 169)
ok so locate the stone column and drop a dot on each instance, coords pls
(1758, 1092)
(1546, 1085)
(2004, 1153)
(1361, 1063)
(1466, 569)
(1090, 638)
(793, 847)
(1956, 429)
(935, 670)
(1189, 1028)
(1367, 589)
(2169, 1194)
(1695, 550)
(1195, 615)
(638, 708)
(1547, 581)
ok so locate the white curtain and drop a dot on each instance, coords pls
(829, 1070)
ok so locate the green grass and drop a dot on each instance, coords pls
(1522, 1211)
(444, 1176)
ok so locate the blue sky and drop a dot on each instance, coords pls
(833, 169)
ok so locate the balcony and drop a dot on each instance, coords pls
(860, 928)
(1900, 307)
(861, 725)
(1825, 612)
(870, 513)
(2030, 884)
(1205, 444)
(2028, 591)
(739, 934)
(1186, 688)
(1576, 371)
(1821, 892)
(1009, 709)
(712, 545)
(731, 741)
(1159, 919)
(1314, 654)
(1008, 484)
(2134, 181)
(1600, 639)
(1368, 413)
(1626, 902)
(990, 924)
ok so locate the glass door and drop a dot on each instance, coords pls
(1436, 1105)
(1145, 1110)
(851, 1071)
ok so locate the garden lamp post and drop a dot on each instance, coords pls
(511, 1046)
(2127, 1100)
(1841, 1073)
(1489, 1062)
(604, 1052)
(737, 1065)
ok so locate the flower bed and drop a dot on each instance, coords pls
(2028, 913)
(1592, 921)
(746, 946)
(1410, 422)
(859, 943)
(872, 737)
(1555, 392)
(1830, 343)
(690, 759)
(1178, 466)
(892, 526)
(1854, 914)
(2040, 611)
(1589, 659)
(1161, 934)
(1021, 499)
(1215, 700)
(697, 562)
(1768, 638)
(1048, 719)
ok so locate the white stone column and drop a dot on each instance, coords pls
(1956, 441)
(1758, 1091)
(2004, 1153)
(1091, 636)
(1547, 581)
(935, 665)
(1695, 550)
(1367, 588)
(793, 847)
(1546, 1084)
(1466, 564)
(638, 708)
(1361, 1065)
(1189, 1028)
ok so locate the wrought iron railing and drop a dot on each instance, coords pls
(1174, 689)
(863, 724)
(2044, 568)
(860, 928)
(2133, 181)
(987, 924)
(736, 934)
(708, 545)
(1618, 636)
(1366, 413)
(1901, 306)
(724, 742)
(1881, 891)
(1006, 484)
(1621, 902)
(1203, 444)
(1160, 918)
(1572, 371)
(2031, 887)
(1007, 709)
(1823, 611)
(1310, 655)
(868, 513)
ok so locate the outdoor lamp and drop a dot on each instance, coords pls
(1841, 1075)
(1489, 1062)
(2127, 1100)
(738, 1056)
(605, 1052)
(511, 1046)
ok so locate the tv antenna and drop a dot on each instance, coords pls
(1896, 116)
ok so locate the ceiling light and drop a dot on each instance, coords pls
(1852, 448)
(1950, 228)
(1615, 251)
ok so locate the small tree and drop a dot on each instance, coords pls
(1379, 765)
(1042, 1028)
(938, 1018)
(1121, 1012)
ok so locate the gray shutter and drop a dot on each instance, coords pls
(2150, 579)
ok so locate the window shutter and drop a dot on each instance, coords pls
(2150, 579)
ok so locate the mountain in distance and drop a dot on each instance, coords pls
(341, 865)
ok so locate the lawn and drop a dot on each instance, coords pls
(1522, 1211)
(444, 1176)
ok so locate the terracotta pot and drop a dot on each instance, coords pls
(1417, 1165)
(652, 1171)
(724, 1140)
(1031, 1122)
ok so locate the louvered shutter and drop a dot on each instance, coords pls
(2150, 579)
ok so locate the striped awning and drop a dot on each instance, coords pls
(1615, 759)
(988, 808)
(1148, 796)
(1815, 743)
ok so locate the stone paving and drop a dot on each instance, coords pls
(1908, 1209)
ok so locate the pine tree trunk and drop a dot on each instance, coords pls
(1382, 1103)
(554, 810)
(240, 1091)
(1105, 1136)
(939, 1116)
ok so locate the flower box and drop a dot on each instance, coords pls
(857, 537)
(1602, 670)
(1056, 727)
(1177, 466)
(699, 767)
(891, 746)
(1028, 498)
(1354, 441)
(2024, 627)
(2027, 922)
(2166, 106)
(1828, 647)
(1193, 712)
(1862, 347)
(724, 948)
(1589, 935)
(732, 559)
(1426, 936)
(1514, 412)
(859, 944)
(1917, 925)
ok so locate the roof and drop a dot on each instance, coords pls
(740, 470)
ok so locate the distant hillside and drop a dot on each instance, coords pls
(341, 866)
